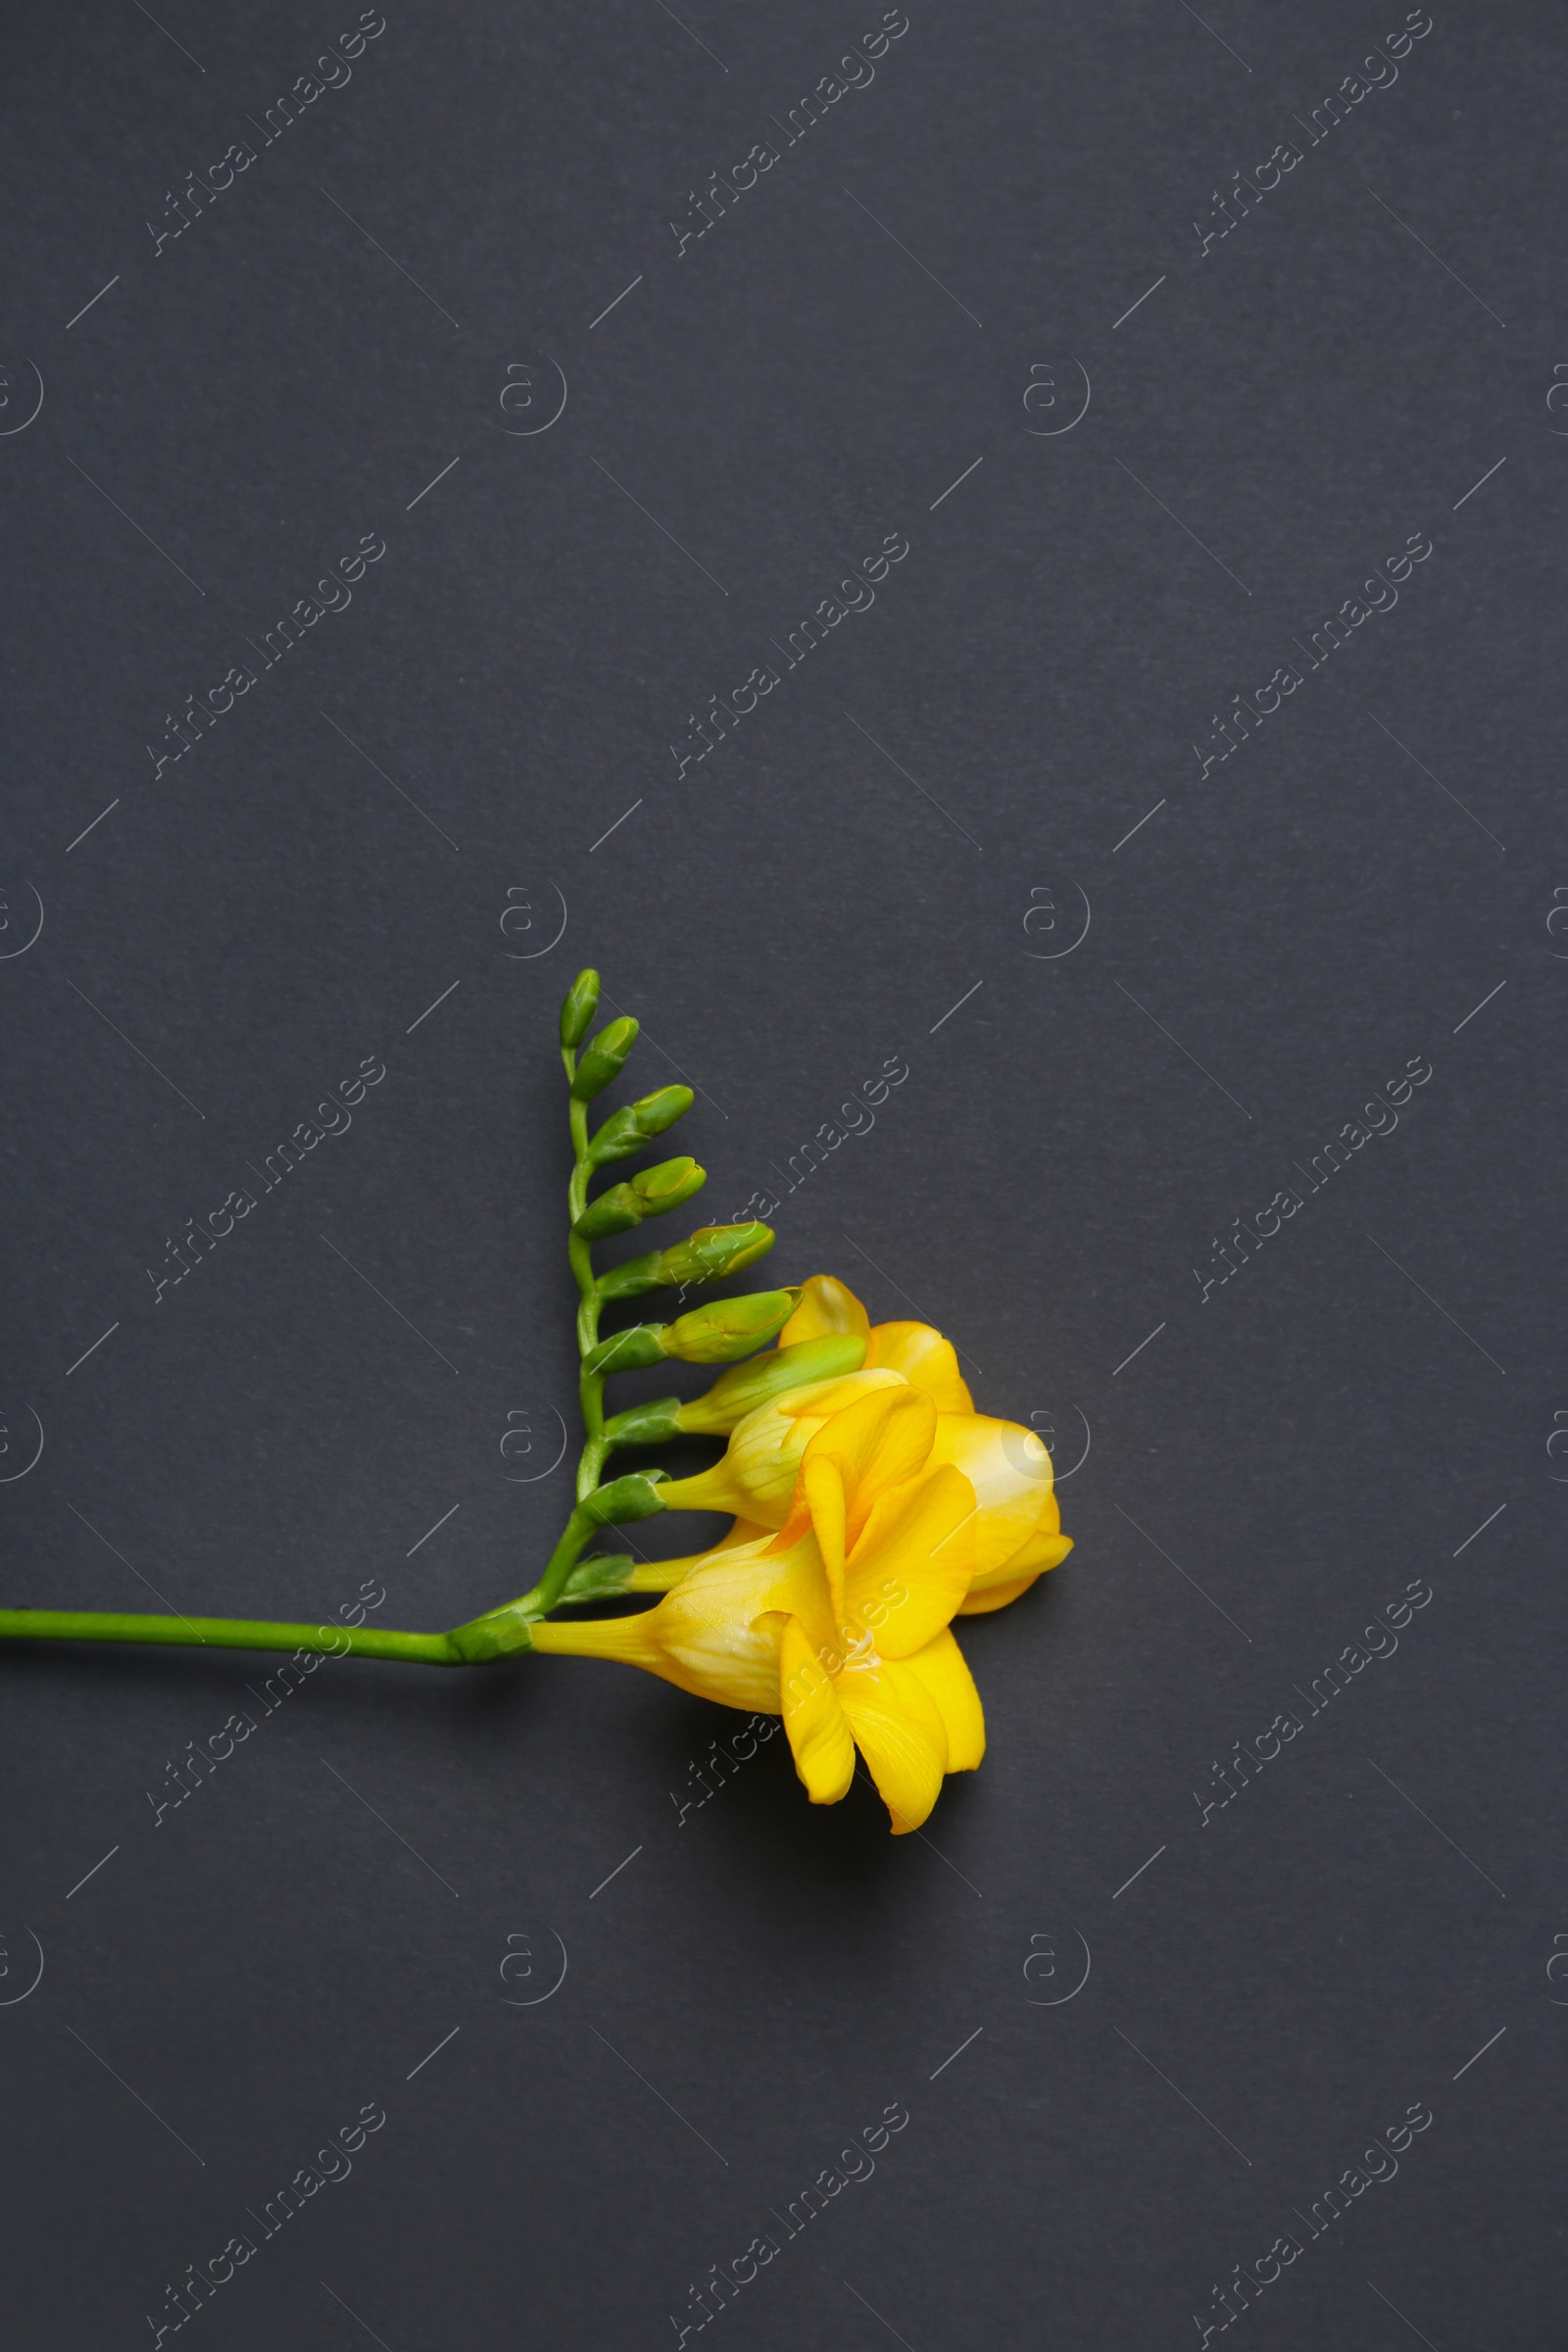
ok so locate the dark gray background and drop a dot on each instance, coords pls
(244, 925)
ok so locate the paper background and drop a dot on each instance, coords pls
(370, 855)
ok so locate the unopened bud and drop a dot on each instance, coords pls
(630, 1351)
(740, 1391)
(602, 1059)
(649, 1194)
(706, 1255)
(713, 1251)
(579, 1009)
(728, 1328)
(626, 1131)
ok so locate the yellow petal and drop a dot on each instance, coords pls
(925, 1358)
(878, 1443)
(1009, 1471)
(911, 1570)
(996, 1597)
(819, 1735)
(662, 1576)
(755, 1475)
(821, 1399)
(826, 1304)
(941, 1667)
(1045, 1548)
(822, 1492)
(899, 1730)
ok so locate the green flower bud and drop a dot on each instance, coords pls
(729, 1328)
(632, 1277)
(630, 1351)
(616, 1211)
(636, 1497)
(715, 1251)
(579, 1009)
(740, 1391)
(669, 1186)
(646, 1424)
(604, 1574)
(626, 1131)
(602, 1060)
(706, 1255)
(650, 1194)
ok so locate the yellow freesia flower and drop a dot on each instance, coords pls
(840, 1620)
(1018, 1526)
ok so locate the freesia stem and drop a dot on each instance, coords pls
(227, 1633)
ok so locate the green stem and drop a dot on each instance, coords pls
(226, 1633)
